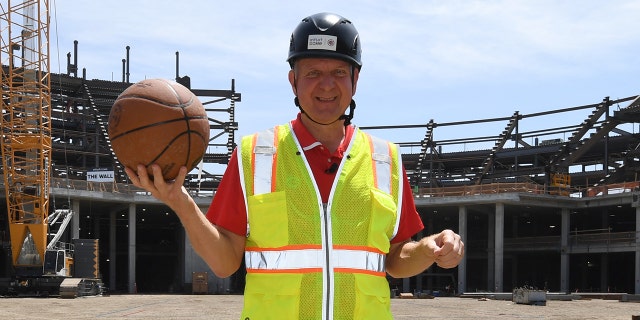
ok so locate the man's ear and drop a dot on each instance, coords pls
(292, 81)
(356, 74)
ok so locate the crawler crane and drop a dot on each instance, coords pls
(40, 265)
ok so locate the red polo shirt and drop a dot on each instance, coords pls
(228, 209)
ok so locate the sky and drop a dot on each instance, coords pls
(422, 59)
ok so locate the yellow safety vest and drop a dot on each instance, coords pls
(305, 264)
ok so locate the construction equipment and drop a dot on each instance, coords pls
(39, 264)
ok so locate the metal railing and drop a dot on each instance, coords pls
(492, 188)
(526, 187)
(468, 190)
(601, 238)
(111, 187)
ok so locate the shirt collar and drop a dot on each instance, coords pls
(307, 141)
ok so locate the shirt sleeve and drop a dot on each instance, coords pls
(410, 221)
(228, 208)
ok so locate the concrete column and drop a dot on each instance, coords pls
(499, 248)
(604, 260)
(462, 267)
(604, 272)
(491, 253)
(430, 230)
(132, 248)
(112, 250)
(75, 219)
(514, 272)
(190, 257)
(564, 250)
(406, 285)
(95, 232)
(637, 250)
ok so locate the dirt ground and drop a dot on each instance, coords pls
(223, 307)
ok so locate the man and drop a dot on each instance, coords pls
(320, 210)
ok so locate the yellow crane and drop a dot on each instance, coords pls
(26, 126)
(40, 265)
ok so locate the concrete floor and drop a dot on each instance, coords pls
(223, 307)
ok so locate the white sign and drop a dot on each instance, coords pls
(322, 42)
(100, 176)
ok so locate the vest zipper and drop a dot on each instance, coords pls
(327, 265)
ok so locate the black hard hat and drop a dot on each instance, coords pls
(325, 35)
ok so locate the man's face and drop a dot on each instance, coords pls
(323, 87)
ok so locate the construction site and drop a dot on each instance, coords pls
(555, 208)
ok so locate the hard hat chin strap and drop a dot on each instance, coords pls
(347, 117)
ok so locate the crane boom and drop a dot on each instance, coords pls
(26, 145)
(26, 126)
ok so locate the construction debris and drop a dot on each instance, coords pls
(530, 296)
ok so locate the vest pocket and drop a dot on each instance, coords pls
(272, 296)
(383, 218)
(268, 222)
(372, 297)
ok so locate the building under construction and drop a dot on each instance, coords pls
(536, 210)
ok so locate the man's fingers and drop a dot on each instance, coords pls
(132, 176)
(182, 175)
(451, 250)
(157, 173)
(143, 176)
(445, 242)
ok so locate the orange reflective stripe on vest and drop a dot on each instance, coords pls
(312, 259)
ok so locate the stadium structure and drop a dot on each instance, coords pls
(552, 207)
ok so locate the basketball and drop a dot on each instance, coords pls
(158, 121)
